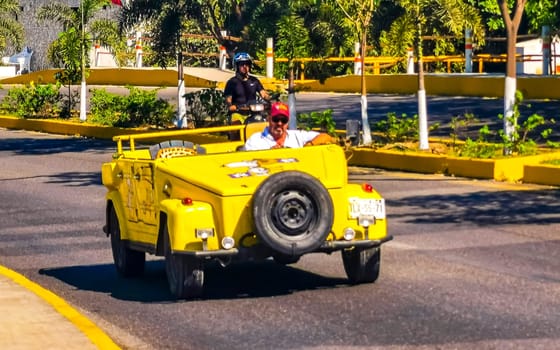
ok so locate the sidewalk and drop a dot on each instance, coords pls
(32, 317)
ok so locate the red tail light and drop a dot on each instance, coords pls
(187, 201)
(367, 188)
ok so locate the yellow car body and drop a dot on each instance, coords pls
(193, 203)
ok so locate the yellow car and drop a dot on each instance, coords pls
(194, 203)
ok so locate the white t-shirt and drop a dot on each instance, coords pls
(294, 139)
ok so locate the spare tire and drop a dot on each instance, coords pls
(293, 213)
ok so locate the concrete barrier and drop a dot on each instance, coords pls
(481, 85)
(120, 77)
(504, 169)
(542, 174)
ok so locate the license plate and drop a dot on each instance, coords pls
(367, 207)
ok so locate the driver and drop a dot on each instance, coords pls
(242, 89)
(277, 135)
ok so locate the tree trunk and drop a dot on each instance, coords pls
(510, 84)
(365, 121)
(292, 97)
(423, 143)
(182, 121)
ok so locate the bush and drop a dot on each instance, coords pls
(322, 120)
(33, 101)
(397, 129)
(206, 107)
(139, 108)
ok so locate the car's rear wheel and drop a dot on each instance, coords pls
(362, 265)
(293, 213)
(128, 262)
(185, 274)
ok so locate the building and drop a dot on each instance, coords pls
(38, 36)
(532, 51)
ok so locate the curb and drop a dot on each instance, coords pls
(439, 84)
(87, 327)
(519, 169)
(527, 169)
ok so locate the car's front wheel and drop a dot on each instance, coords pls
(185, 274)
(362, 265)
(128, 262)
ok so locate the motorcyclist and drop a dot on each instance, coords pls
(242, 89)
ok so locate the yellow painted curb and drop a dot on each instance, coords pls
(439, 84)
(507, 169)
(538, 87)
(65, 128)
(94, 333)
(542, 174)
(119, 77)
(395, 160)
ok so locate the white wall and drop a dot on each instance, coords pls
(532, 51)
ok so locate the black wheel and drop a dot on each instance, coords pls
(185, 274)
(293, 213)
(128, 262)
(362, 265)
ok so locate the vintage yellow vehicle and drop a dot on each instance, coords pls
(193, 196)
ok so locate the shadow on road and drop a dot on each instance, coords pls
(39, 146)
(541, 207)
(243, 280)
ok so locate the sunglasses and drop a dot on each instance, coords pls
(282, 120)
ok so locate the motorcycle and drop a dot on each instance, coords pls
(251, 113)
(254, 112)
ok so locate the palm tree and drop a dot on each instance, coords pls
(69, 49)
(293, 41)
(11, 31)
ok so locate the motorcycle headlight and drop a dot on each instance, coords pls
(258, 107)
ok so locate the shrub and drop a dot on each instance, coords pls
(318, 120)
(33, 101)
(206, 107)
(395, 129)
(139, 108)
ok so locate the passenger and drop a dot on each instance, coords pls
(277, 135)
(242, 89)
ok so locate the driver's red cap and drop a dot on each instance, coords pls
(279, 108)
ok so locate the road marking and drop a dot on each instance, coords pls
(90, 329)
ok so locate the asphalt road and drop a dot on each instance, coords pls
(441, 109)
(474, 265)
